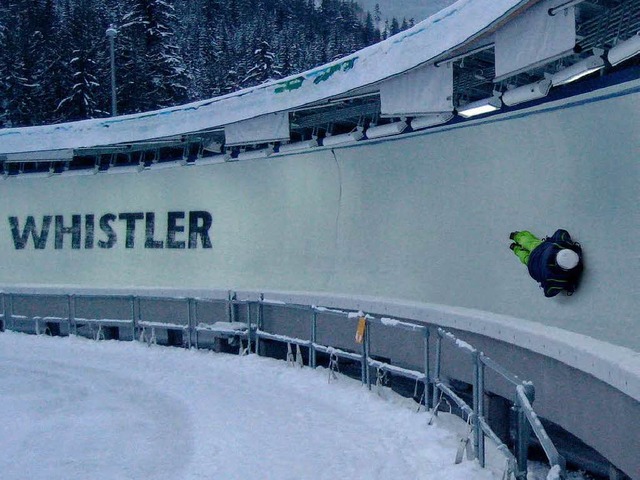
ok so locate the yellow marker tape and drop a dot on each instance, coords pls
(362, 324)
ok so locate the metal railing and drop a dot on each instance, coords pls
(244, 320)
(523, 396)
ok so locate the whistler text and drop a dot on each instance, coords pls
(183, 230)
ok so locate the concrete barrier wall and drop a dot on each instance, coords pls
(423, 217)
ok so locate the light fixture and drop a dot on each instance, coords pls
(624, 50)
(387, 130)
(426, 121)
(577, 70)
(526, 93)
(333, 140)
(479, 107)
(255, 154)
(298, 146)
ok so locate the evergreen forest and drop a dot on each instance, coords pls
(55, 63)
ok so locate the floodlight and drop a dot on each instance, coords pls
(333, 140)
(624, 50)
(526, 93)
(387, 130)
(479, 107)
(577, 70)
(426, 121)
(298, 146)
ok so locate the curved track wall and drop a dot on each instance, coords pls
(423, 217)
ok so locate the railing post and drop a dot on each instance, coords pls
(248, 326)
(132, 298)
(232, 306)
(314, 333)
(4, 313)
(365, 347)
(190, 302)
(478, 407)
(427, 376)
(196, 332)
(70, 312)
(436, 375)
(13, 323)
(259, 322)
(523, 432)
(138, 316)
(364, 362)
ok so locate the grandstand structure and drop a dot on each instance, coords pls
(387, 182)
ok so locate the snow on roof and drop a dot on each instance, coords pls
(448, 29)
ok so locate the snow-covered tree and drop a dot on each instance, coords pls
(155, 70)
(264, 67)
(54, 56)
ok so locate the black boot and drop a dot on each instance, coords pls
(512, 235)
(513, 246)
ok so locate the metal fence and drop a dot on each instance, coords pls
(251, 324)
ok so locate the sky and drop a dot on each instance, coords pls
(73, 408)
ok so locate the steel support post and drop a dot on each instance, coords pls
(427, 376)
(13, 323)
(248, 327)
(366, 346)
(314, 333)
(132, 299)
(138, 316)
(190, 302)
(196, 332)
(365, 359)
(259, 322)
(436, 374)
(232, 307)
(72, 313)
(478, 407)
(3, 325)
(523, 431)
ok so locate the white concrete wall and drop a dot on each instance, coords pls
(423, 218)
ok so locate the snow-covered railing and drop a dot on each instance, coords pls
(250, 326)
(526, 418)
(362, 338)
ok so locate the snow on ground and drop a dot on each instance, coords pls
(75, 409)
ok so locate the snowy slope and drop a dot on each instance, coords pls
(77, 409)
(448, 29)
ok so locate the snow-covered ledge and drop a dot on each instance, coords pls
(612, 364)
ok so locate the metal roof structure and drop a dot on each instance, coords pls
(600, 25)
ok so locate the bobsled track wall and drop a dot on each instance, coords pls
(423, 219)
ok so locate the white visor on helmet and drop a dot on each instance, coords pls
(567, 259)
